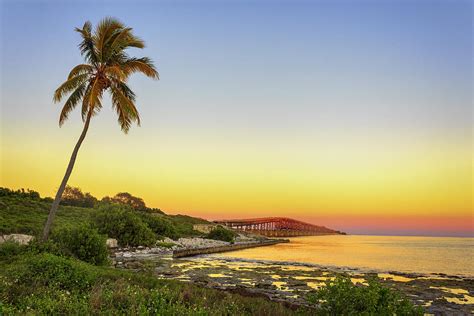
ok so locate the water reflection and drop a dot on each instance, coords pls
(452, 256)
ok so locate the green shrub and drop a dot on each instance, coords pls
(73, 196)
(124, 225)
(342, 297)
(184, 224)
(127, 199)
(10, 249)
(37, 246)
(55, 272)
(165, 244)
(20, 193)
(221, 233)
(84, 243)
(159, 225)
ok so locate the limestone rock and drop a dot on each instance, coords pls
(22, 239)
(111, 243)
(168, 240)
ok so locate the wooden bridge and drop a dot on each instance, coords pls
(276, 227)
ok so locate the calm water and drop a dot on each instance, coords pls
(453, 256)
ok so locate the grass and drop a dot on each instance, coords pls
(27, 216)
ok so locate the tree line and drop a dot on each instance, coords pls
(74, 196)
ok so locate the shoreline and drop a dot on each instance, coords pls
(289, 282)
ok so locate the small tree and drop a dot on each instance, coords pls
(342, 297)
(221, 233)
(124, 225)
(84, 243)
(127, 199)
(73, 196)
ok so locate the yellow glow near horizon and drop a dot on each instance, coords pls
(226, 178)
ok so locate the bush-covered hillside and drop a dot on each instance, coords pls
(26, 212)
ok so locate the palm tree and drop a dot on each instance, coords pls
(107, 68)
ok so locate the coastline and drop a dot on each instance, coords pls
(289, 282)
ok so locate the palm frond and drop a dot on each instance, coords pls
(143, 65)
(123, 119)
(127, 39)
(123, 103)
(115, 72)
(113, 45)
(120, 41)
(91, 101)
(69, 85)
(125, 89)
(87, 45)
(71, 103)
(104, 31)
(80, 69)
(94, 96)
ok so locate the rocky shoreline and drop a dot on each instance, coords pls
(287, 282)
(291, 282)
(184, 247)
(180, 253)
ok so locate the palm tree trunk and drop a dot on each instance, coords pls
(57, 199)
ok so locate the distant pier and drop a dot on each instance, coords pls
(277, 227)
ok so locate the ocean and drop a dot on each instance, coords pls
(425, 255)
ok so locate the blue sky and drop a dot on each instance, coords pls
(398, 62)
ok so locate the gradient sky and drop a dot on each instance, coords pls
(352, 114)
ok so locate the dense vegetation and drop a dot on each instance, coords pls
(124, 225)
(342, 297)
(74, 196)
(128, 199)
(27, 215)
(25, 212)
(82, 242)
(221, 233)
(21, 193)
(33, 282)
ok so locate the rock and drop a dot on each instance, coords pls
(200, 242)
(22, 239)
(111, 243)
(134, 265)
(168, 240)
